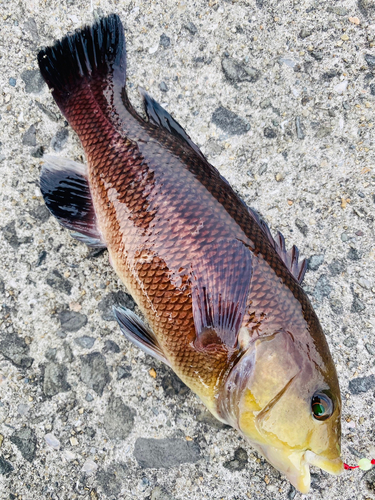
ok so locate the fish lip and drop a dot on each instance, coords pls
(331, 465)
(296, 465)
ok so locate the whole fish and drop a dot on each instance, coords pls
(222, 297)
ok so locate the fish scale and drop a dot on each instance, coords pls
(223, 298)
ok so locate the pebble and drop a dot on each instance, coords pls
(163, 87)
(94, 372)
(49, 113)
(112, 479)
(265, 104)
(357, 305)
(314, 262)
(322, 288)
(229, 122)
(370, 59)
(118, 419)
(54, 380)
(353, 254)
(85, 341)
(73, 441)
(56, 281)
(292, 493)
(191, 27)
(341, 87)
(15, 349)
(5, 466)
(50, 353)
(68, 455)
(350, 342)
(236, 72)
(173, 386)
(206, 417)
(72, 321)
(89, 397)
(120, 298)
(59, 140)
(305, 33)
(10, 234)
(25, 440)
(270, 133)
(34, 82)
(52, 441)
(362, 384)
(364, 283)
(89, 467)
(165, 453)
(299, 128)
(323, 132)
(239, 461)
(160, 493)
(317, 55)
(336, 306)
(110, 346)
(23, 409)
(123, 372)
(41, 213)
(338, 10)
(143, 484)
(279, 177)
(370, 349)
(165, 41)
(29, 137)
(301, 226)
(287, 61)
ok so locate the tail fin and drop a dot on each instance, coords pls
(91, 56)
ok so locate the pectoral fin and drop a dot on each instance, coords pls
(220, 285)
(137, 332)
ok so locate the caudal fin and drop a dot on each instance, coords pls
(91, 57)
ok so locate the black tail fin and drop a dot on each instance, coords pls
(92, 53)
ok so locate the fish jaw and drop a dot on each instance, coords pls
(333, 466)
(296, 464)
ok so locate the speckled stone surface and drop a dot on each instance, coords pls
(280, 96)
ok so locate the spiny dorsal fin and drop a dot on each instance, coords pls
(289, 257)
(161, 118)
(67, 195)
(137, 332)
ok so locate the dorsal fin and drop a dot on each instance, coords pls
(289, 257)
(220, 283)
(161, 118)
(137, 332)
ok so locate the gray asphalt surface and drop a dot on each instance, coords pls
(280, 96)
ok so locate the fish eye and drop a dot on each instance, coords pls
(321, 406)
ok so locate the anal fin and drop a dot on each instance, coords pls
(137, 332)
(66, 192)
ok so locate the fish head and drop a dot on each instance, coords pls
(288, 407)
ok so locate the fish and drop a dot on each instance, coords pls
(221, 297)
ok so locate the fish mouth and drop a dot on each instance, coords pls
(296, 465)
